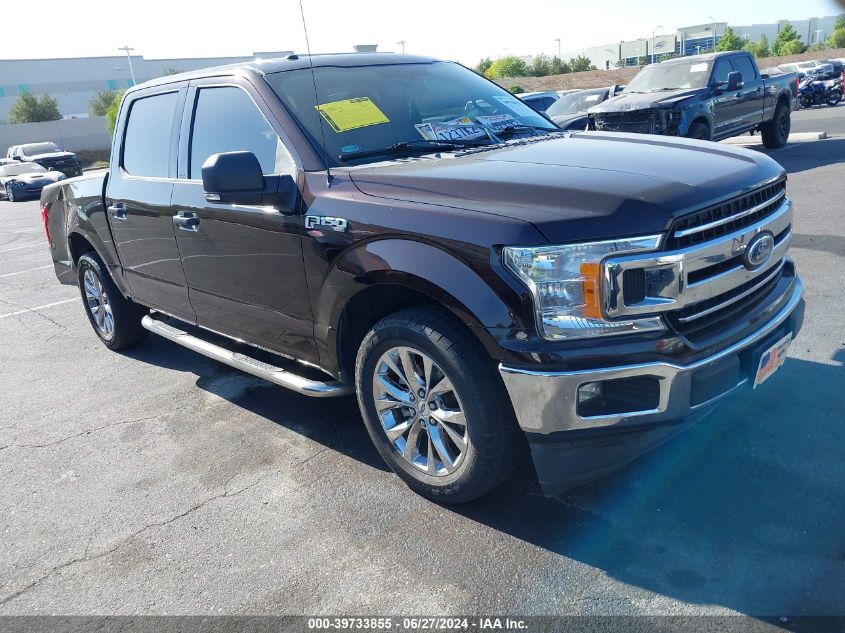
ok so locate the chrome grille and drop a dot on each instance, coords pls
(727, 217)
(699, 319)
(700, 287)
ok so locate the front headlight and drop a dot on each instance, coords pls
(565, 282)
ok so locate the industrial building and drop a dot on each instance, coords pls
(691, 40)
(73, 82)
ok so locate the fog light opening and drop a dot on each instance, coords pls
(589, 391)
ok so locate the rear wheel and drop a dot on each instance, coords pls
(115, 319)
(699, 130)
(434, 407)
(775, 133)
(834, 98)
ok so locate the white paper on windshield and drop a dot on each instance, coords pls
(462, 129)
(592, 98)
(498, 122)
(515, 104)
(698, 68)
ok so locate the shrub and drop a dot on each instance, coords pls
(28, 109)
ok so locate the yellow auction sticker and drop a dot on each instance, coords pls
(350, 114)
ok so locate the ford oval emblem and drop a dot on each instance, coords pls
(759, 250)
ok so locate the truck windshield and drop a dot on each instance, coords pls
(672, 76)
(36, 149)
(577, 102)
(364, 109)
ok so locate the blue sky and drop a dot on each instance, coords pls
(454, 30)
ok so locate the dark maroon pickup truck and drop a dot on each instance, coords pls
(400, 228)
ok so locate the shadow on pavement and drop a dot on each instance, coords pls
(742, 510)
(805, 156)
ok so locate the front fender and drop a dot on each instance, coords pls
(427, 269)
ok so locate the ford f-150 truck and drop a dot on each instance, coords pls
(707, 97)
(409, 232)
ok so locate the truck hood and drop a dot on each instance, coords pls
(634, 101)
(52, 156)
(585, 186)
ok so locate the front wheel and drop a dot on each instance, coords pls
(699, 130)
(775, 133)
(10, 193)
(115, 319)
(434, 406)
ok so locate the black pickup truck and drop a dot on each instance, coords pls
(709, 97)
(487, 284)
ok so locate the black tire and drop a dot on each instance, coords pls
(124, 315)
(494, 443)
(10, 194)
(834, 99)
(775, 133)
(699, 130)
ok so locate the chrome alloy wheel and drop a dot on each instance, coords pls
(98, 304)
(420, 411)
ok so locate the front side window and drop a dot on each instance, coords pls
(227, 120)
(366, 109)
(146, 144)
(721, 70)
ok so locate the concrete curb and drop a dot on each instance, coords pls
(798, 137)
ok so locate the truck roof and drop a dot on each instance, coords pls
(704, 57)
(293, 62)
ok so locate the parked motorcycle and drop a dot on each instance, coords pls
(813, 92)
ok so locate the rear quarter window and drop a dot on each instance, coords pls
(146, 142)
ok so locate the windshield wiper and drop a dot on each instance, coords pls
(404, 147)
(666, 89)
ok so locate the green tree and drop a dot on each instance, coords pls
(507, 67)
(759, 48)
(482, 66)
(28, 109)
(840, 22)
(580, 64)
(729, 41)
(114, 108)
(540, 65)
(516, 89)
(837, 38)
(101, 102)
(558, 67)
(782, 44)
(172, 71)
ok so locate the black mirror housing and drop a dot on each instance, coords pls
(734, 81)
(233, 177)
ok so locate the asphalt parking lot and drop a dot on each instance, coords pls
(160, 482)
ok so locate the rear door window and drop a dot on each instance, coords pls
(744, 65)
(226, 119)
(146, 144)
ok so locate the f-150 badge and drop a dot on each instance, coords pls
(341, 225)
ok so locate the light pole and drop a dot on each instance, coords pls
(402, 44)
(816, 33)
(557, 39)
(129, 57)
(653, 31)
(713, 20)
(637, 51)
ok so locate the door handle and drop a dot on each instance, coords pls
(117, 211)
(187, 221)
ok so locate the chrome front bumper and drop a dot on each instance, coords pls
(547, 401)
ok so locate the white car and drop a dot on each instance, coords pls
(21, 180)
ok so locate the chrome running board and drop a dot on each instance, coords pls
(268, 372)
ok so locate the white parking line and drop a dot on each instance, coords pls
(20, 248)
(22, 272)
(37, 308)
